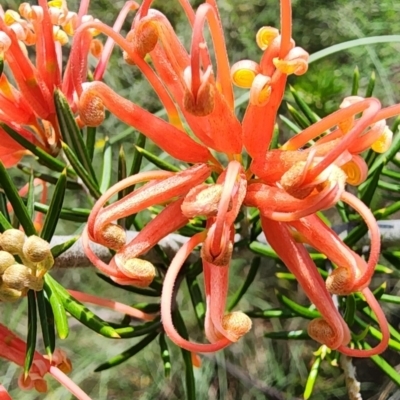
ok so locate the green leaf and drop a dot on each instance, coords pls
(60, 316)
(305, 109)
(46, 324)
(53, 213)
(127, 332)
(371, 184)
(375, 333)
(187, 356)
(267, 251)
(292, 126)
(255, 264)
(71, 132)
(350, 309)
(52, 179)
(17, 204)
(43, 157)
(137, 156)
(337, 48)
(356, 82)
(107, 167)
(69, 214)
(274, 143)
(90, 141)
(30, 197)
(32, 332)
(3, 208)
(312, 377)
(274, 313)
(4, 223)
(127, 354)
(297, 308)
(132, 289)
(82, 172)
(385, 366)
(290, 335)
(298, 118)
(371, 85)
(197, 299)
(63, 247)
(82, 313)
(157, 161)
(165, 355)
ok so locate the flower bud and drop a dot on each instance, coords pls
(12, 241)
(236, 323)
(35, 249)
(202, 200)
(338, 282)
(322, 332)
(139, 270)
(6, 259)
(91, 109)
(9, 295)
(145, 37)
(19, 277)
(112, 236)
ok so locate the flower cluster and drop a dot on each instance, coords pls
(17, 278)
(289, 185)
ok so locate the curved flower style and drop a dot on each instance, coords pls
(289, 185)
(13, 349)
(29, 108)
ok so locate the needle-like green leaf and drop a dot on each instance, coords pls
(127, 354)
(32, 332)
(18, 205)
(53, 213)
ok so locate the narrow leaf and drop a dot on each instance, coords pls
(82, 313)
(356, 82)
(127, 354)
(81, 172)
(312, 377)
(45, 323)
(107, 167)
(53, 213)
(255, 264)
(157, 161)
(305, 109)
(371, 85)
(165, 355)
(60, 316)
(17, 204)
(71, 132)
(32, 332)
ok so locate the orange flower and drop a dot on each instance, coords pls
(289, 186)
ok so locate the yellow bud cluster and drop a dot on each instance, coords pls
(25, 271)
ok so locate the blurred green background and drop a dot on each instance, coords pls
(254, 368)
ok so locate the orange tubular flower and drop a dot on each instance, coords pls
(29, 108)
(13, 349)
(289, 186)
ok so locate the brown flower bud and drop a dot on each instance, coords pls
(9, 295)
(112, 236)
(6, 259)
(322, 332)
(202, 200)
(35, 249)
(236, 323)
(338, 282)
(91, 109)
(145, 37)
(19, 277)
(139, 270)
(12, 241)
